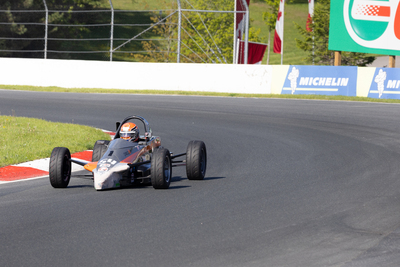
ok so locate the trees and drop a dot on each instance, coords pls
(316, 41)
(209, 34)
(270, 19)
(25, 30)
(205, 37)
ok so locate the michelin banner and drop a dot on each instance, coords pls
(385, 84)
(321, 80)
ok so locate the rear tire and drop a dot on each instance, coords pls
(99, 149)
(60, 167)
(196, 160)
(161, 169)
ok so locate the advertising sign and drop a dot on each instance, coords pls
(385, 83)
(366, 26)
(321, 80)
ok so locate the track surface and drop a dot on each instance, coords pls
(289, 183)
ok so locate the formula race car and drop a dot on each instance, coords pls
(130, 159)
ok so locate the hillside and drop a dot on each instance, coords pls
(294, 13)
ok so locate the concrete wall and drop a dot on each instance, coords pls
(127, 75)
(227, 78)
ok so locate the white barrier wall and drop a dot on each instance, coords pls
(128, 75)
(226, 78)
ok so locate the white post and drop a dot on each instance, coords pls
(237, 51)
(46, 29)
(246, 44)
(112, 30)
(178, 59)
(234, 33)
(269, 43)
(283, 30)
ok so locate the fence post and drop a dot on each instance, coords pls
(392, 61)
(178, 59)
(338, 58)
(234, 33)
(112, 30)
(246, 45)
(46, 29)
(237, 51)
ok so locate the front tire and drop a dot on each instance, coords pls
(99, 149)
(60, 167)
(161, 169)
(196, 160)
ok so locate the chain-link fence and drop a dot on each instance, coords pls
(180, 33)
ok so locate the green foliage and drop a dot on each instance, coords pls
(316, 41)
(31, 24)
(206, 33)
(293, 13)
(206, 37)
(270, 16)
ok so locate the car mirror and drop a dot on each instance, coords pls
(148, 135)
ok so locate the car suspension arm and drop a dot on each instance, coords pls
(176, 163)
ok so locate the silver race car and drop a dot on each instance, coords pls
(130, 159)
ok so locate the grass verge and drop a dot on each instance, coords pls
(25, 139)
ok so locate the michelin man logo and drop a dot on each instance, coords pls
(292, 77)
(380, 80)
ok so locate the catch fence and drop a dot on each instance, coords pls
(179, 34)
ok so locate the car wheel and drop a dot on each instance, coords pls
(99, 149)
(161, 169)
(60, 167)
(196, 160)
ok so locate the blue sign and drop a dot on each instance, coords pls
(321, 80)
(385, 84)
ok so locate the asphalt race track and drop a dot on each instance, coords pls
(289, 183)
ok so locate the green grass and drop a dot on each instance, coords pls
(25, 139)
(139, 4)
(294, 13)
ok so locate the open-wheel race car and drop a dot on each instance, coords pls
(130, 159)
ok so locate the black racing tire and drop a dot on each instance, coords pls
(60, 167)
(196, 160)
(99, 149)
(161, 169)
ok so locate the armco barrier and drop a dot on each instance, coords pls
(228, 78)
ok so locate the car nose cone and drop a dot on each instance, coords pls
(108, 178)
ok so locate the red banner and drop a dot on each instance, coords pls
(256, 53)
(278, 37)
(310, 14)
(240, 18)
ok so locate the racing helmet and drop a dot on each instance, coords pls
(129, 131)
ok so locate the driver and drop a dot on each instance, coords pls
(129, 131)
